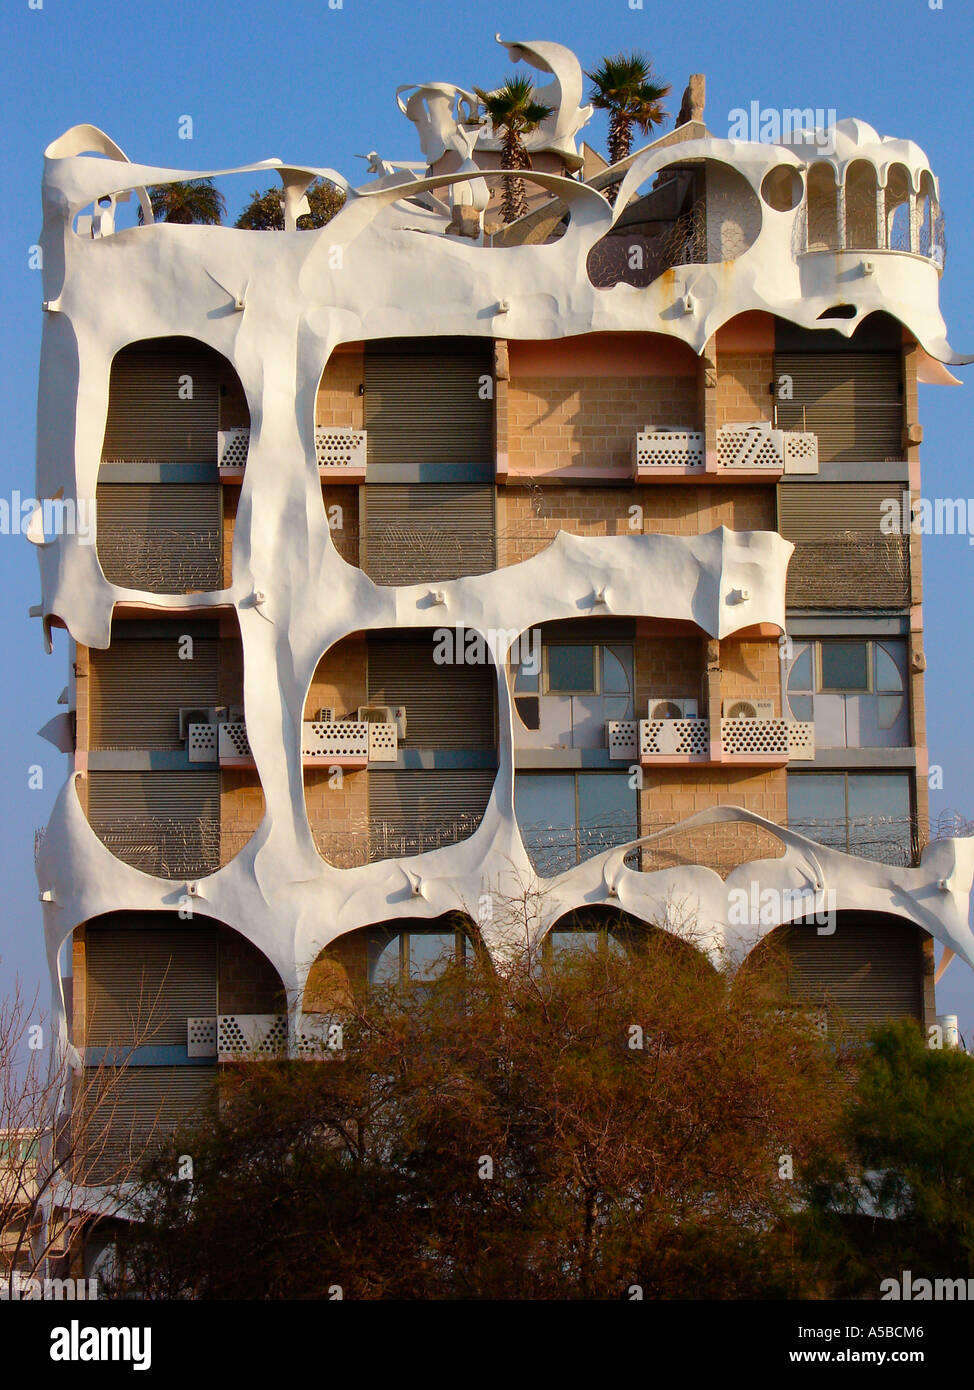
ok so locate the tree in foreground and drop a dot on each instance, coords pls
(626, 87)
(571, 1126)
(904, 1197)
(514, 112)
(196, 201)
(265, 211)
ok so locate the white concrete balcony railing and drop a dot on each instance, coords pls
(746, 451)
(340, 453)
(342, 743)
(230, 1037)
(670, 742)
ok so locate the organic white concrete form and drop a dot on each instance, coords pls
(276, 306)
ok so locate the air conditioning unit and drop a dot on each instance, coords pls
(325, 716)
(672, 709)
(375, 714)
(194, 714)
(747, 709)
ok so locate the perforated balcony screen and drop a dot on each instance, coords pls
(162, 537)
(165, 823)
(447, 706)
(143, 1104)
(143, 982)
(842, 558)
(426, 531)
(412, 812)
(428, 406)
(150, 418)
(137, 688)
(868, 971)
(851, 400)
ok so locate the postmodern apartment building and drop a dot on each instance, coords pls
(435, 556)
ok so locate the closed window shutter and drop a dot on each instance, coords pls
(138, 687)
(147, 419)
(143, 982)
(851, 400)
(412, 812)
(126, 1112)
(165, 823)
(428, 407)
(842, 557)
(166, 538)
(866, 972)
(448, 706)
(415, 533)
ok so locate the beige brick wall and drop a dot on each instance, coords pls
(231, 497)
(79, 971)
(338, 401)
(345, 533)
(667, 666)
(339, 680)
(670, 795)
(338, 813)
(241, 809)
(340, 972)
(742, 387)
(590, 422)
(680, 510)
(234, 411)
(751, 670)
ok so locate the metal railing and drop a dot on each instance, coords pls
(162, 561)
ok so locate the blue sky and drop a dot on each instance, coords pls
(310, 83)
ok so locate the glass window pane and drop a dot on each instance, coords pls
(525, 679)
(888, 708)
(800, 676)
(890, 663)
(430, 953)
(544, 804)
(571, 670)
(606, 811)
(879, 816)
(616, 670)
(816, 808)
(801, 707)
(845, 666)
(563, 941)
(384, 958)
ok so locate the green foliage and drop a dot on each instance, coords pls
(627, 88)
(513, 112)
(265, 211)
(195, 201)
(610, 1164)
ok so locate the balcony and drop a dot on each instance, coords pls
(341, 743)
(747, 453)
(234, 1037)
(758, 742)
(341, 454)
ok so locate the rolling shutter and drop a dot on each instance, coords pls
(166, 538)
(138, 686)
(448, 706)
(143, 982)
(147, 420)
(412, 812)
(842, 558)
(868, 971)
(427, 406)
(125, 1112)
(851, 400)
(415, 533)
(165, 823)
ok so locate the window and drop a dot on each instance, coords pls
(566, 818)
(413, 957)
(854, 689)
(579, 687)
(864, 813)
(570, 669)
(558, 942)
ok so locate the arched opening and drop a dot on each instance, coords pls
(399, 743)
(851, 971)
(930, 220)
(723, 846)
(174, 408)
(897, 207)
(823, 208)
(782, 188)
(402, 953)
(341, 444)
(170, 690)
(601, 929)
(861, 228)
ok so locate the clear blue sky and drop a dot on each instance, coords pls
(312, 84)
